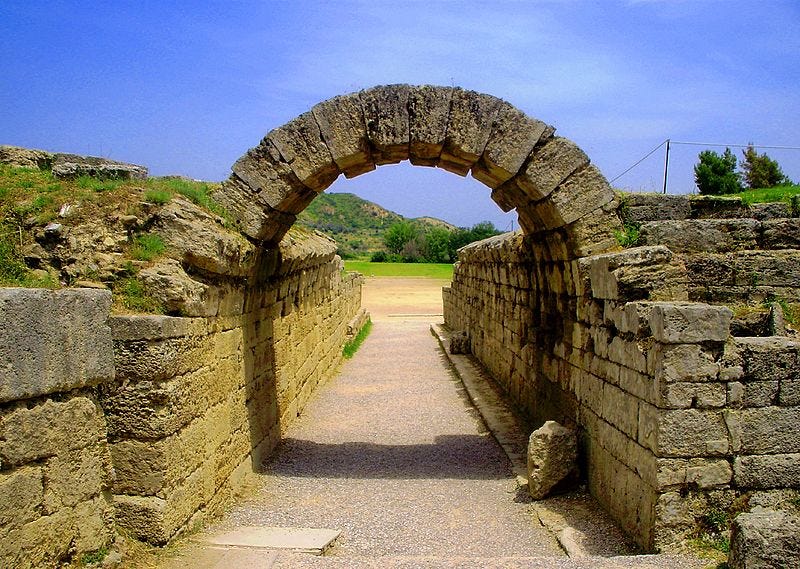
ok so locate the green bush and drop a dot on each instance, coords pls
(716, 174)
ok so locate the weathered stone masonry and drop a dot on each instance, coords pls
(151, 423)
(677, 416)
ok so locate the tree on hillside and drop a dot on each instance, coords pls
(399, 235)
(716, 174)
(761, 171)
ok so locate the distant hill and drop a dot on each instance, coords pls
(355, 223)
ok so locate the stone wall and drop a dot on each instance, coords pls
(55, 465)
(676, 416)
(153, 423)
(199, 403)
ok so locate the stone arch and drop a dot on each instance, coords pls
(560, 198)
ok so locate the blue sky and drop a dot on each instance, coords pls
(188, 87)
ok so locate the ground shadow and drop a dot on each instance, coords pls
(449, 456)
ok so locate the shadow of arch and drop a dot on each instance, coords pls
(562, 200)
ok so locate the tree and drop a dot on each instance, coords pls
(437, 241)
(761, 171)
(715, 174)
(398, 236)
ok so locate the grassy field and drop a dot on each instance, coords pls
(766, 195)
(429, 270)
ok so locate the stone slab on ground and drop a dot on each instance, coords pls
(306, 540)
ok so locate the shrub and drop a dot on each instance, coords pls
(379, 257)
(716, 174)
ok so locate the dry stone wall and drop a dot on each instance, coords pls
(676, 417)
(55, 466)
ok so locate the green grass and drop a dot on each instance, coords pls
(147, 247)
(131, 295)
(351, 347)
(157, 196)
(769, 195)
(429, 270)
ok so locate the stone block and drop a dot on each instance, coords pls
(640, 273)
(552, 456)
(342, 125)
(387, 120)
(583, 192)
(773, 358)
(767, 471)
(781, 234)
(260, 222)
(468, 130)
(687, 395)
(53, 341)
(271, 182)
(43, 542)
(301, 145)
(642, 207)
(212, 248)
(70, 166)
(511, 141)
(621, 410)
(683, 432)
(21, 497)
(76, 476)
(594, 233)
(687, 323)
(48, 429)
(550, 164)
(94, 525)
(770, 430)
(428, 114)
(669, 363)
(765, 539)
(702, 235)
(698, 472)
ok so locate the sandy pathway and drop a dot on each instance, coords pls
(392, 454)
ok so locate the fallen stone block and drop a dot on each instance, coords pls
(552, 456)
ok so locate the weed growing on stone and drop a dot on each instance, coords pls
(147, 247)
(131, 295)
(351, 347)
(629, 236)
(94, 557)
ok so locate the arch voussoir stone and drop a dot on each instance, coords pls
(343, 128)
(578, 195)
(468, 129)
(301, 145)
(512, 140)
(256, 219)
(428, 115)
(386, 116)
